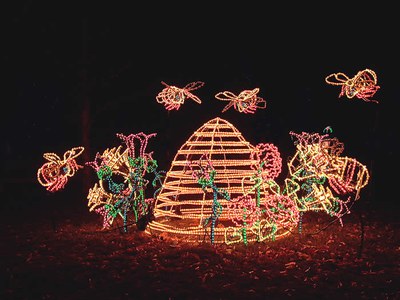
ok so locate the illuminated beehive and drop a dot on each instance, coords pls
(183, 206)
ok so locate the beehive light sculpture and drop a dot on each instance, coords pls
(222, 189)
(217, 175)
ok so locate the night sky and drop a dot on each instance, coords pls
(59, 58)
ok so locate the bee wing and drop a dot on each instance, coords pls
(336, 78)
(228, 106)
(249, 93)
(74, 152)
(194, 85)
(226, 96)
(195, 98)
(51, 157)
(372, 73)
(366, 76)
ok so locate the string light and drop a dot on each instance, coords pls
(173, 97)
(246, 102)
(363, 85)
(54, 174)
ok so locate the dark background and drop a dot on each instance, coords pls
(79, 74)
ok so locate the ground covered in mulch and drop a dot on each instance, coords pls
(52, 251)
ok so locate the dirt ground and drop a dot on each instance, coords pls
(59, 251)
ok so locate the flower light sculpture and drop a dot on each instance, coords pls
(246, 102)
(173, 97)
(54, 174)
(203, 171)
(322, 177)
(362, 86)
(123, 174)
